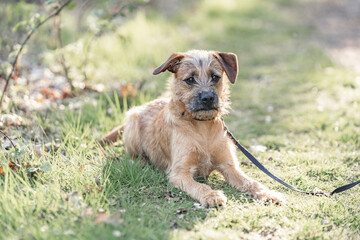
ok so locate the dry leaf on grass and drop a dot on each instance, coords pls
(181, 211)
(13, 166)
(88, 188)
(55, 94)
(103, 217)
(128, 90)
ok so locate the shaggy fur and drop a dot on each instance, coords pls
(183, 134)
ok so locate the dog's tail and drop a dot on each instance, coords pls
(112, 136)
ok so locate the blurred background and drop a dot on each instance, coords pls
(94, 45)
(105, 45)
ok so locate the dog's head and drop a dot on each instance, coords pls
(198, 81)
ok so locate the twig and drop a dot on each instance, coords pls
(23, 44)
(61, 53)
(88, 45)
(8, 138)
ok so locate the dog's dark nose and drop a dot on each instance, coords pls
(207, 98)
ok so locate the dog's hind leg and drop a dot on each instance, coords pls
(112, 136)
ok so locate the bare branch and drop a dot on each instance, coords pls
(118, 11)
(61, 53)
(8, 138)
(55, 13)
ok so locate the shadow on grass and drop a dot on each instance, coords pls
(150, 206)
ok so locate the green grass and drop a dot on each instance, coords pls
(313, 138)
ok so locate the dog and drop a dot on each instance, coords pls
(183, 134)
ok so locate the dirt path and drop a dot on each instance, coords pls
(338, 26)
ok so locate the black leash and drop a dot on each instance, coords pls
(262, 168)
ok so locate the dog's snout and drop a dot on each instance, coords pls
(207, 98)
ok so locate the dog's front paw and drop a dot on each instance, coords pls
(270, 196)
(214, 198)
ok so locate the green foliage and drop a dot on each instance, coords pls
(18, 153)
(45, 167)
(71, 6)
(16, 16)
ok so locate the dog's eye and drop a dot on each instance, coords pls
(215, 78)
(190, 80)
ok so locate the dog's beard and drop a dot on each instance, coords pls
(204, 115)
(201, 112)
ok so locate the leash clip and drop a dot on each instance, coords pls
(320, 194)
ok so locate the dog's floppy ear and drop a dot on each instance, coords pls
(229, 63)
(171, 64)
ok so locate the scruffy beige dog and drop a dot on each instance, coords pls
(184, 135)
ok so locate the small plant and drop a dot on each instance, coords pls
(34, 24)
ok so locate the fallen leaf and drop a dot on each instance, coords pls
(103, 217)
(128, 89)
(88, 188)
(39, 98)
(49, 92)
(180, 211)
(14, 166)
(65, 92)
